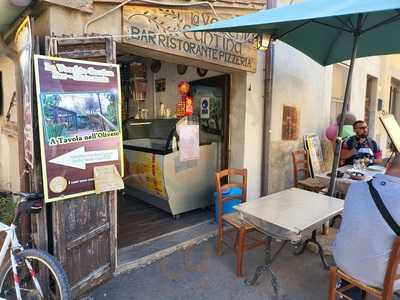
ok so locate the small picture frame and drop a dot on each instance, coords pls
(160, 85)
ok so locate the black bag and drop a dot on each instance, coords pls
(382, 209)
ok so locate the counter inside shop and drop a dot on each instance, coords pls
(155, 174)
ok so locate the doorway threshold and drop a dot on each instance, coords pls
(147, 252)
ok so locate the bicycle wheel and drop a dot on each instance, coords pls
(48, 272)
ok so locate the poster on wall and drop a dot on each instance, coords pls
(313, 145)
(23, 43)
(79, 109)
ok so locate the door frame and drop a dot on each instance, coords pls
(62, 246)
(225, 82)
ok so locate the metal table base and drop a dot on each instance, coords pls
(270, 258)
(267, 266)
(313, 240)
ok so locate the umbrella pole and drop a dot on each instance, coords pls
(336, 158)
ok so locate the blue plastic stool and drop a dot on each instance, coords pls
(227, 206)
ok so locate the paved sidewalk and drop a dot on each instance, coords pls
(197, 273)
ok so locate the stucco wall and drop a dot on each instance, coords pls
(300, 82)
(9, 178)
(390, 68)
(383, 68)
(254, 127)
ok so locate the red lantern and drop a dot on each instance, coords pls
(184, 107)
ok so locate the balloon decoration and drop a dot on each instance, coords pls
(184, 107)
(347, 131)
(332, 131)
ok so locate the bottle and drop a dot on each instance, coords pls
(174, 144)
(167, 113)
(162, 110)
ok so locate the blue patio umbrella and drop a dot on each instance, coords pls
(328, 32)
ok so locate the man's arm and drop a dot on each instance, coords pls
(347, 153)
(377, 154)
(347, 150)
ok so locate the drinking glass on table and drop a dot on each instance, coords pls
(362, 164)
(356, 164)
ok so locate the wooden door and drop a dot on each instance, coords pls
(84, 228)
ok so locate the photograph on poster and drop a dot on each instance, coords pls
(78, 114)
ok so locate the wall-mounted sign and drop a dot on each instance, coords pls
(160, 85)
(205, 107)
(290, 123)
(79, 123)
(151, 28)
(23, 43)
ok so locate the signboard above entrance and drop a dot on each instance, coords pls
(161, 29)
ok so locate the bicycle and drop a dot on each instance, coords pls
(29, 273)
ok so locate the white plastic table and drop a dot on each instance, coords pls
(287, 216)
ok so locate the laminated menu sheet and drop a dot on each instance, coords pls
(189, 148)
(107, 178)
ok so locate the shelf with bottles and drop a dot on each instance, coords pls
(139, 80)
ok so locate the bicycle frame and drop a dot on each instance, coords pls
(11, 240)
(11, 243)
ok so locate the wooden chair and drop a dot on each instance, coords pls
(243, 241)
(301, 172)
(386, 293)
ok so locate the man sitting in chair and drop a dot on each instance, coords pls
(364, 242)
(360, 146)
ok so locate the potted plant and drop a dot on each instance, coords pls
(7, 210)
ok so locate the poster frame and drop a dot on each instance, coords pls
(27, 23)
(36, 58)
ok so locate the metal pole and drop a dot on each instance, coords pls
(338, 147)
(266, 136)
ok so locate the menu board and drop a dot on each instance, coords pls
(313, 146)
(393, 129)
(79, 122)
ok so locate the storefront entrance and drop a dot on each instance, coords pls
(163, 194)
(158, 185)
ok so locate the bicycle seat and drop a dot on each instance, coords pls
(30, 196)
(33, 206)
